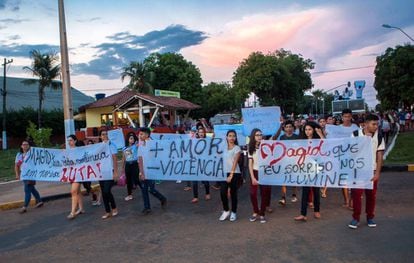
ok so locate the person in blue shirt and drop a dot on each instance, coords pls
(130, 163)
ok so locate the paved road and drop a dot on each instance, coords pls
(184, 232)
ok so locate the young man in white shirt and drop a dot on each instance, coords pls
(378, 146)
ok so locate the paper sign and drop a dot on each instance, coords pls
(117, 138)
(267, 119)
(220, 131)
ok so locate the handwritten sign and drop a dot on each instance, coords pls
(117, 138)
(220, 131)
(87, 163)
(337, 163)
(334, 131)
(267, 119)
(169, 136)
(184, 159)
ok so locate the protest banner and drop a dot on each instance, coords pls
(220, 131)
(117, 138)
(337, 163)
(87, 163)
(169, 136)
(335, 131)
(267, 119)
(184, 159)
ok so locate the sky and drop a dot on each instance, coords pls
(342, 38)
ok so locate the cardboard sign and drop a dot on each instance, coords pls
(267, 119)
(220, 131)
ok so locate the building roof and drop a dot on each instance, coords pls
(124, 97)
(20, 95)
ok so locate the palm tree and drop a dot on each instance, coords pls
(140, 77)
(46, 68)
(317, 94)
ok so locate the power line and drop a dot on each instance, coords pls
(344, 69)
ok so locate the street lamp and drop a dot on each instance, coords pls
(388, 26)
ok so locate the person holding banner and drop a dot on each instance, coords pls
(311, 131)
(265, 190)
(130, 163)
(75, 191)
(201, 134)
(29, 186)
(231, 159)
(147, 185)
(106, 185)
(378, 146)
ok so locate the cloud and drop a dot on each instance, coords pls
(24, 50)
(14, 5)
(14, 37)
(125, 47)
(87, 20)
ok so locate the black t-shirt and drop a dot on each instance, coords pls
(293, 137)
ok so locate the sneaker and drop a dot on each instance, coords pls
(282, 201)
(262, 219)
(129, 197)
(354, 224)
(178, 182)
(146, 211)
(23, 210)
(253, 218)
(96, 203)
(40, 204)
(158, 182)
(224, 215)
(371, 223)
(233, 217)
(294, 199)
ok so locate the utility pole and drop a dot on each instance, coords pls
(4, 93)
(66, 91)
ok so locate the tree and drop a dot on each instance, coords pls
(140, 77)
(278, 78)
(46, 68)
(394, 78)
(173, 72)
(218, 98)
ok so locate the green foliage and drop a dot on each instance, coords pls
(7, 158)
(172, 72)
(45, 67)
(140, 77)
(218, 98)
(402, 153)
(41, 137)
(278, 78)
(17, 121)
(394, 78)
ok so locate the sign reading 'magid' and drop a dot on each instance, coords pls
(80, 164)
(184, 159)
(339, 163)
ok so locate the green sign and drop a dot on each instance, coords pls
(167, 93)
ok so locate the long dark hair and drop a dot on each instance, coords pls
(252, 141)
(235, 133)
(77, 142)
(313, 125)
(21, 148)
(131, 134)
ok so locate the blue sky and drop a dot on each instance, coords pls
(103, 36)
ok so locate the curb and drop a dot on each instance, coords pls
(18, 204)
(398, 168)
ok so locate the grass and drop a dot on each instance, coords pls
(7, 158)
(403, 152)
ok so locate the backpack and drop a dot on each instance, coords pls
(379, 135)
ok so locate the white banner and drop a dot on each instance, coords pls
(184, 159)
(337, 163)
(87, 163)
(220, 131)
(117, 138)
(336, 131)
(169, 136)
(267, 119)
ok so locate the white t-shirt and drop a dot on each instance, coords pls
(375, 147)
(255, 161)
(229, 157)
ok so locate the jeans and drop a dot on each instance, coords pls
(131, 174)
(195, 188)
(149, 186)
(305, 199)
(30, 189)
(107, 196)
(224, 186)
(370, 196)
(265, 192)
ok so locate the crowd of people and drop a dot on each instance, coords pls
(242, 164)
